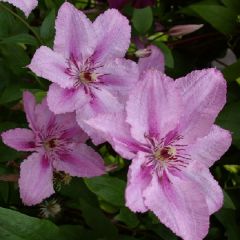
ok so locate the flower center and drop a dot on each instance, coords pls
(165, 153)
(87, 77)
(50, 144)
(83, 73)
(168, 153)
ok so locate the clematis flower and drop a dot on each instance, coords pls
(135, 3)
(57, 144)
(87, 67)
(25, 5)
(168, 131)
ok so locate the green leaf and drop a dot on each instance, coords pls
(142, 19)
(228, 219)
(17, 226)
(77, 189)
(47, 28)
(98, 221)
(110, 189)
(232, 72)
(11, 93)
(127, 217)
(220, 17)
(228, 203)
(229, 118)
(73, 232)
(21, 38)
(16, 57)
(234, 4)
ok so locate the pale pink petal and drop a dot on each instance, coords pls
(102, 102)
(155, 60)
(180, 205)
(210, 148)
(20, 139)
(82, 161)
(52, 66)
(25, 5)
(207, 185)
(65, 100)
(44, 117)
(113, 35)
(29, 104)
(139, 178)
(154, 106)
(70, 129)
(116, 131)
(204, 95)
(65, 122)
(35, 180)
(119, 75)
(74, 33)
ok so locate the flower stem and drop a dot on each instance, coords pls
(24, 22)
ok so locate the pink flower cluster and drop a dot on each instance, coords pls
(165, 127)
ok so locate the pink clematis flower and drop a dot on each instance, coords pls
(168, 131)
(25, 5)
(57, 144)
(87, 67)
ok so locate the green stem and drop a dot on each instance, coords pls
(24, 22)
(154, 39)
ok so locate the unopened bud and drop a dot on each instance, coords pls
(142, 53)
(181, 30)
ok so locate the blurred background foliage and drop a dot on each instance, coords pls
(94, 208)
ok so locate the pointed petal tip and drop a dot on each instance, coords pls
(35, 180)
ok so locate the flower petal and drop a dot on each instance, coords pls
(179, 205)
(44, 117)
(204, 95)
(35, 180)
(20, 139)
(210, 148)
(25, 5)
(113, 128)
(29, 104)
(139, 178)
(82, 161)
(62, 100)
(51, 65)
(153, 107)
(113, 35)
(74, 33)
(119, 75)
(70, 129)
(207, 184)
(102, 102)
(155, 60)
